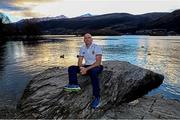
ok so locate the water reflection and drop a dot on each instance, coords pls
(2, 54)
(159, 54)
(22, 60)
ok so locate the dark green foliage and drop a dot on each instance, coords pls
(30, 28)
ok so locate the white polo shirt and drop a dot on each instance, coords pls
(90, 53)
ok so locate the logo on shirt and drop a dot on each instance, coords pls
(83, 52)
(93, 52)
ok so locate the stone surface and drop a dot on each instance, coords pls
(121, 82)
(148, 107)
(7, 112)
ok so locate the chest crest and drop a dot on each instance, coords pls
(93, 52)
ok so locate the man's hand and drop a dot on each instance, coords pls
(83, 70)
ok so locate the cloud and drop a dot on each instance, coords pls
(9, 5)
(13, 8)
(30, 14)
(20, 5)
(22, 8)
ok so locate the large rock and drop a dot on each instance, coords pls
(120, 82)
(147, 107)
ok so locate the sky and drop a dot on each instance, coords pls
(22, 9)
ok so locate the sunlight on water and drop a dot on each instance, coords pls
(20, 61)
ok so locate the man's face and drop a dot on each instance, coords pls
(88, 39)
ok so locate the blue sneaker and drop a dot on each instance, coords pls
(71, 88)
(95, 103)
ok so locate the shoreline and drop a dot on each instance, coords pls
(60, 36)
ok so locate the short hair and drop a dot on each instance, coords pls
(87, 34)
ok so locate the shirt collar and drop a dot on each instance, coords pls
(89, 46)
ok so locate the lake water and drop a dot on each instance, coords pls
(20, 61)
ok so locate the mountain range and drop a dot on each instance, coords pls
(155, 23)
(43, 19)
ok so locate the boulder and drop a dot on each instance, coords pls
(120, 81)
(147, 107)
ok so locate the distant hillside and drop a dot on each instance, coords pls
(43, 19)
(170, 22)
(112, 24)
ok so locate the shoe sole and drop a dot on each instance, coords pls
(97, 106)
(72, 90)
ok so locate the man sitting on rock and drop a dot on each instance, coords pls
(92, 54)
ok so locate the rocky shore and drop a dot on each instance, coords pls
(121, 84)
(8, 112)
(147, 107)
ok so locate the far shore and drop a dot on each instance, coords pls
(59, 37)
(74, 35)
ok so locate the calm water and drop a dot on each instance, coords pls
(20, 61)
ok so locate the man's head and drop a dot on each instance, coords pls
(88, 39)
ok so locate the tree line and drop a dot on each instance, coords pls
(27, 28)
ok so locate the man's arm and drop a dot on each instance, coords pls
(84, 70)
(80, 60)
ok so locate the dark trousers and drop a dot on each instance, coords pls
(93, 73)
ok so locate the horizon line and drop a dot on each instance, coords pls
(87, 16)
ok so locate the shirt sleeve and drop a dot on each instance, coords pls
(81, 52)
(98, 50)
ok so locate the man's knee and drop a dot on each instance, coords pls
(93, 71)
(72, 68)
